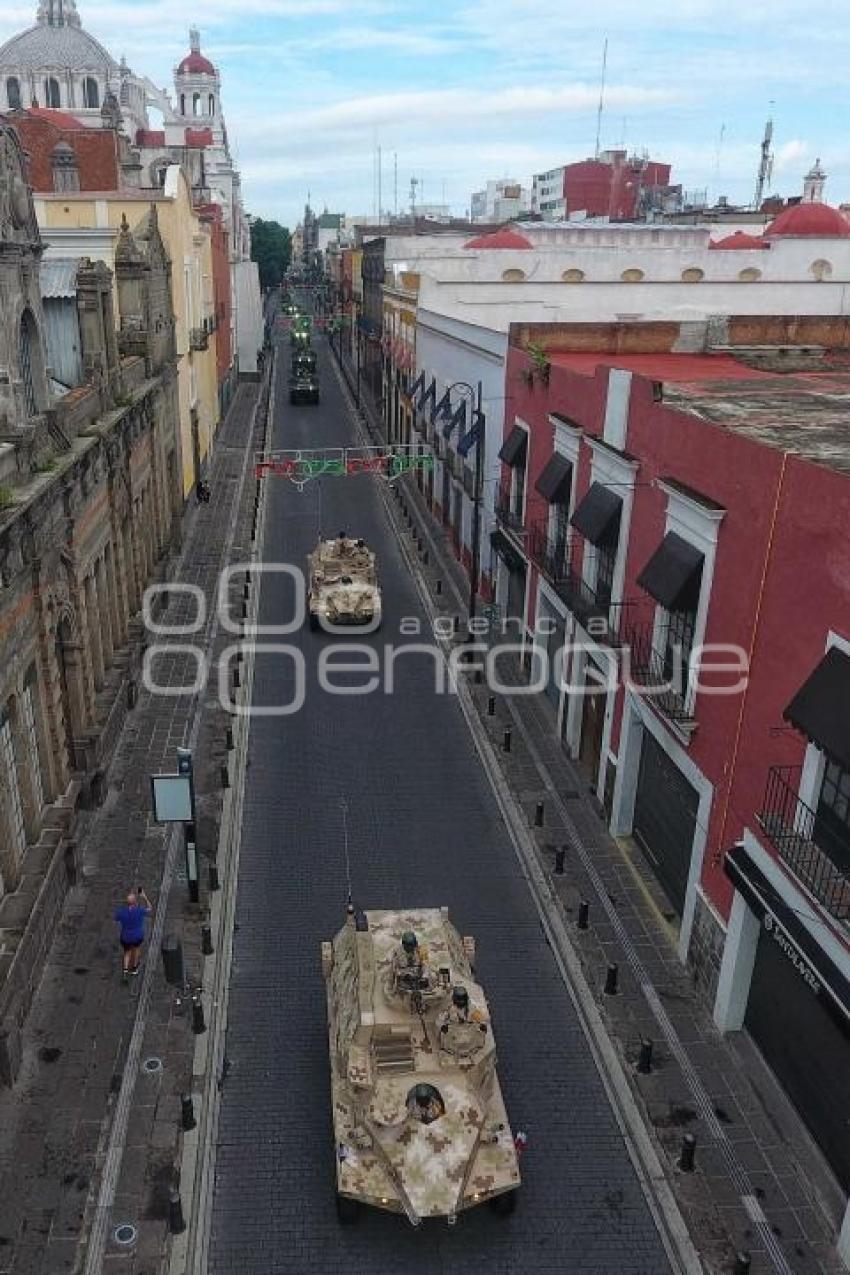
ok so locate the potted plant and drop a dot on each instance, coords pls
(541, 362)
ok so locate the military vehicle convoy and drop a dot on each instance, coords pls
(419, 1119)
(301, 331)
(342, 584)
(303, 377)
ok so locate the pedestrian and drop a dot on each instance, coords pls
(131, 919)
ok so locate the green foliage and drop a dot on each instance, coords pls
(540, 359)
(45, 466)
(5, 497)
(271, 248)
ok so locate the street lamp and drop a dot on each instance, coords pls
(475, 436)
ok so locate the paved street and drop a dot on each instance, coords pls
(424, 829)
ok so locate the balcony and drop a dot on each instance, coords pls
(662, 676)
(506, 513)
(605, 618)
(816, 857)
(199, 339)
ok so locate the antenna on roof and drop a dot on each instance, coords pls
(343, 805)
(765, 171)
(601, 97)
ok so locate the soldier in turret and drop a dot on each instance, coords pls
(425, 1104)
(410, 970)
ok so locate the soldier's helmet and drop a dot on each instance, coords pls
(460, 998)
(408, 942)
(424, 1095)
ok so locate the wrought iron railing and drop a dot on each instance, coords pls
(505, 511)
(199, 339)
(663, 676)
(593, 609)
(814, 854)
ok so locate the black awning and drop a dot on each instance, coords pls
(598, 514)
(672, 575)
(821, 707)
(514, 447)
(555, 481)
(511, 556)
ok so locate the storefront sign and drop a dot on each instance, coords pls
(789, 950)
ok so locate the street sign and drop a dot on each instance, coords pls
(172, 798)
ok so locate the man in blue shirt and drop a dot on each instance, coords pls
(131, 919)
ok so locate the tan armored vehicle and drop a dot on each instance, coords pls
(343, 584)
(419, 1120)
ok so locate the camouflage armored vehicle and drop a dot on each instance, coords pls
(300, 332)
(343, 584)
(419, 1119)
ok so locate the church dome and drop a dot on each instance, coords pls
(194, 62)
(57, 42)
(810, 221)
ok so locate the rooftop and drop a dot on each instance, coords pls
(667, 368)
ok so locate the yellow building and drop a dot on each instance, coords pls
(400, 300)
(87, 225)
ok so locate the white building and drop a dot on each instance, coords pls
(547, 194)
(500, 201)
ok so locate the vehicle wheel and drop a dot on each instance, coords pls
(503, 1205)
(347, 1210)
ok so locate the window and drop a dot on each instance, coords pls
(606, 559)
(9, 772)
(633, 275)
(13, 93)
(821, 269)
(182, 103)
(51, 93)
(518, 490)
(749, 275)
(832, 826)
(573, 275)
(559, 530)
(693, 274)
(212, 104)
(28, 339)
(91, 93)
(196, 103)
(513, 276)
(31, 736)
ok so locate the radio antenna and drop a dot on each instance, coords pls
(343, 805)
(601, 96)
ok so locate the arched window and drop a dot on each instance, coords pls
(821, 269)
(28, 340)
(182, 103)
(196, 103)
(693, 274)
(212, 104)
(513, 276)
(13, 93)
(573, 275)
(51, 93)
(749, 275)
(633, 275)
(91, 93)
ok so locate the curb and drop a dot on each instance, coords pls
(190, 1250)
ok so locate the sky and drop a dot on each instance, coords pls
(458, 92)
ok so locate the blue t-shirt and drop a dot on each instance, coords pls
(132, 922)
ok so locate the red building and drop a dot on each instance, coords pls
(662, 513)
(613, 185)
(212, 215)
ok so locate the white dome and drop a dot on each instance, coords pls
(57, 42)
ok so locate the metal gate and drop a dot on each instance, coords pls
(554, 649)
(806, 1046)
(665, 819)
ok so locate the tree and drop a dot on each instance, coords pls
(271, 248)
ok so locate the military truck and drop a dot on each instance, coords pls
(301, 331)
(419, 1120)
(343, 584)
(303, 377)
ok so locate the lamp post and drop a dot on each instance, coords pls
(478, 422)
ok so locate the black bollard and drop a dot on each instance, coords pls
(187, 1113)
(506, 740)
(742, 1263)
(229, 739)
(688, 1153)
(644, 1065)
(246, 589)
(479, 676)
(583, 914)
(214, 883)
(456, 623)
(172, 960)
(176, 1224)
(198, 1023)
(538, 815)
(236, 677)
(206, 940)
(439, 587)
(491, 706)
(560, 856)
(225, 775)
(424, 557)
(611, 976)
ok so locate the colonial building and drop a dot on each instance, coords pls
(89, 490)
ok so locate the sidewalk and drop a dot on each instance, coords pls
(100, 1055)
(757, 1179)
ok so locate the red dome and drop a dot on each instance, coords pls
(504, 238)
(740, 239)
(196, 64)
(810, 220)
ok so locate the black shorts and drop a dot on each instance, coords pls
(131, 947)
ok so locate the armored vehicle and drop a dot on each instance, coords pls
(419, 1119)
(343, 584)
(303, 377)
(300, 331)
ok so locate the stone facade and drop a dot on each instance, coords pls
(90, 493)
